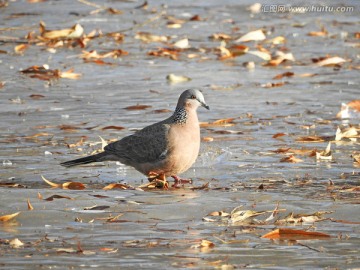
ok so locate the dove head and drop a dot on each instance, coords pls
(192, 99)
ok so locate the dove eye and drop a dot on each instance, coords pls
(193, 97)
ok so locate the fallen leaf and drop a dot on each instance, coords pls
(69, 74)
(256, 35)
(113, 127)
(322, 33)
(36, 96)
(204, 245)
(116, 186)
(313, 139)
(280, 58)
(282, 75)
(8, 217)
(348, 109)
(225, 122)
(172, 78)
(182, 44)
(277, 135)
(19, 49)
(218, 214)
(220, 36)
(67, 185)
(114, 11)
(137, 107)
(96, 207)
(12, 185)
(292, 234)
(16, 243)
(271, 84)
(147, 37)
(207, 139)
(69, 33)
(326, 154)
(356, 157)
(331, 61)
(225, 87)
(263, 55)
(30, 207)
(51, 198)
(291, 159)
(238, 216)
(95, 55)
(172, 53)
(276, 40)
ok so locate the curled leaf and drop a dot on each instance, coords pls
(8, 217)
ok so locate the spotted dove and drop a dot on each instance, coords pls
(166, 148)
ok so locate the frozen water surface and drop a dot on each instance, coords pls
(162, 228)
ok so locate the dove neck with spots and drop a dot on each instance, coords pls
(180, 116)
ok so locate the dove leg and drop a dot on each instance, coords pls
(180, 181)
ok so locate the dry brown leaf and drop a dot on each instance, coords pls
(355, 105)
(95, 55)
(172, 53)
(16, 243)
(36, 96)
(69, 74)
(182, 43)
(67, 185)
(96, 207)
(225, 87)
(172, 78)
(263, 55)
(147, 37)
(272, 85)
(137, 107)
(70, 33)
(256, 35)
(51, 198)
(280, 58)
(292, 234)
(326, 154)
(238, 216)
(207, 139)
(114, 11)
(30, 207)
(78, 143)
(307, 75)
(277, 135)
(73, 185)
(231, 52)
(8, 217)
(113, 127)
(291, 159)
(12, 185)
(282, 75)
(225, 122)
(116, 186)
(218, 214)
(220, 36)
(330, 61)
(322, 33)
(356, 157)
(19, 49)
(276, 40)
(313, 139)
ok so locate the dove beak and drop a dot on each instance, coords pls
(205, 106)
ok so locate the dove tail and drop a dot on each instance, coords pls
(85, 160)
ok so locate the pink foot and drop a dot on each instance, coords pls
(180, 181)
